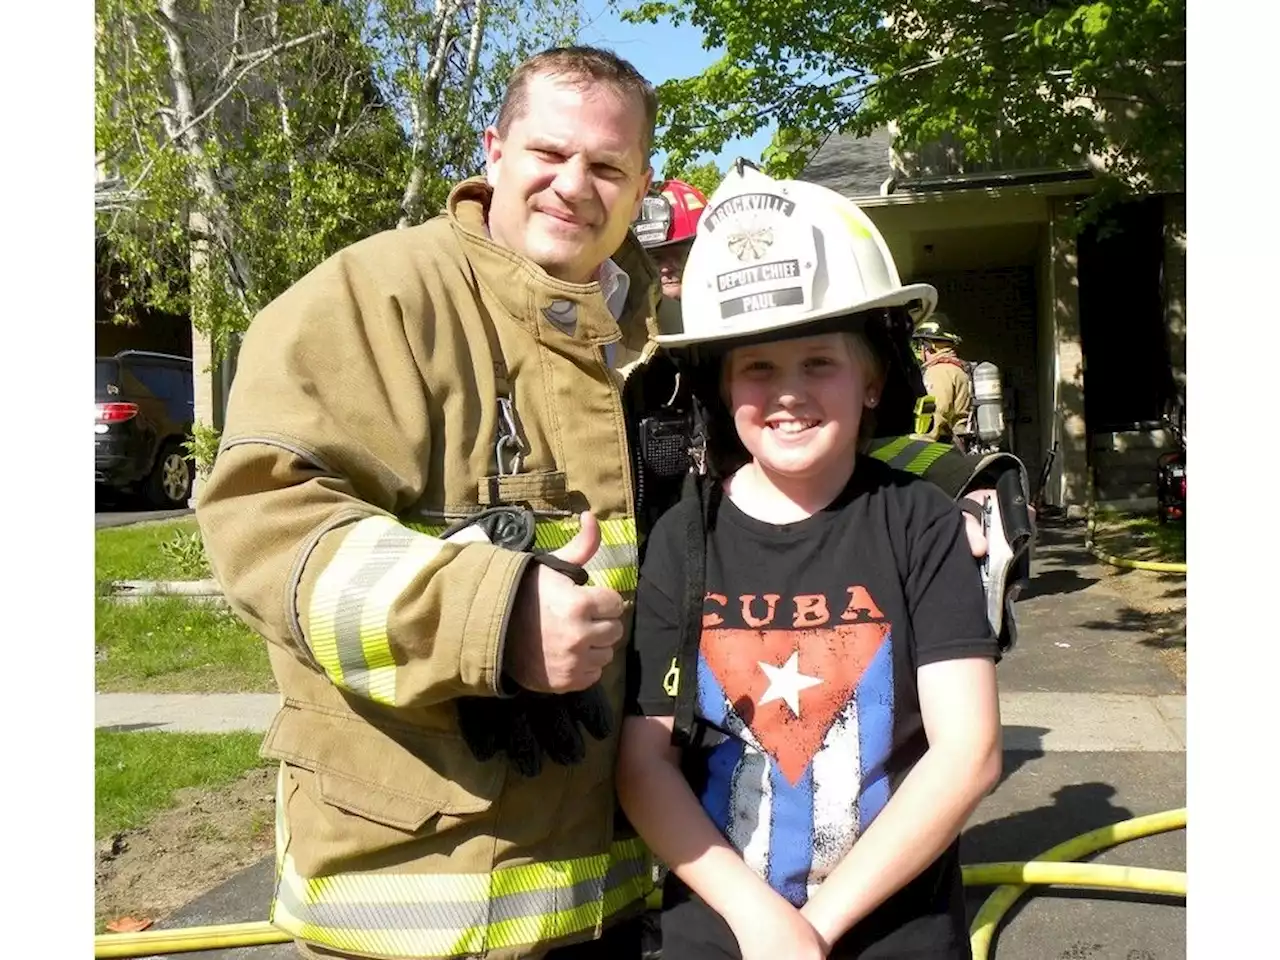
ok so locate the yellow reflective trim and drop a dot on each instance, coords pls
(430, 529)
(852, 221)
(438, 942)
(376, 613)
(351, 556)
(927, 458)
(616, 563)
(393, 888)
(629, 891)
(351, 604)
(548, 876)
(386, 889)
(891, 449)
(368, 892)
(619, 532)
(548, 926)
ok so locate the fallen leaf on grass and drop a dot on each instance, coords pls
(128, 925)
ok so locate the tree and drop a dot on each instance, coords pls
(1053, 82)
(238, 149)
(705, 176)
(444, 65)
(239, 145)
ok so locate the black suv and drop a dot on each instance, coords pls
(145, 408)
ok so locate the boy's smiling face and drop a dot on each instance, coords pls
(797, 404)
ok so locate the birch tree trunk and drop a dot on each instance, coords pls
(426, 109)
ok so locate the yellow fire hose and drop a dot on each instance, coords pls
(999, 903)
(1125, 562)
(1048, 868)
(189, 939)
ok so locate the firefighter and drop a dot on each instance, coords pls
(666, 227)
(946, 378)
(424, 458)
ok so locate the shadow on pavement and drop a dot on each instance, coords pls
(1077, 808)
(1021, 746)
(1058, 557)
(1050, 583)
(1133, 620)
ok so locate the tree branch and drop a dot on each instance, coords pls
(235, 40)
(257, 59)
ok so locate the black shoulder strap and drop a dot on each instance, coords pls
(696, 501)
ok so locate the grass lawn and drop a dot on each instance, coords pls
(1141, 537)
(137, 552)
(169, 645)
(137, 774)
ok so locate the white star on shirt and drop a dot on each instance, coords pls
(786, 682)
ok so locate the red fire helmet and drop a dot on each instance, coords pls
(669, 216)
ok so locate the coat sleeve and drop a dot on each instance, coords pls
(327, 440)
(939, 387)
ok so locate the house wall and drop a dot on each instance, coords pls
(1047, 371)
(1070, 482)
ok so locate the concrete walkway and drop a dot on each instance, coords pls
(1047, 722)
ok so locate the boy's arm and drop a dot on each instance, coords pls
(659, 803)
(961, 715)
(652, 788)
(959, 712)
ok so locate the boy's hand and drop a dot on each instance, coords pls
(972, 528)
(823, 928)
(775, 930)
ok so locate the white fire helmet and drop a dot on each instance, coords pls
(774, 254)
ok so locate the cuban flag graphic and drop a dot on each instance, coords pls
(808, 715)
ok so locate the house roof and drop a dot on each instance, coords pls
(858, 167)
(852, 166)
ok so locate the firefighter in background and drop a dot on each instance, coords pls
(666, 226)
(946, 378)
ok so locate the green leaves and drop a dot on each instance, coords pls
(310, 149)
(704, 176)
(1043, 84)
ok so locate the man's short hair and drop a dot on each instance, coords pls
(581, 67)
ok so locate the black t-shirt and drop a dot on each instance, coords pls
(807, 706)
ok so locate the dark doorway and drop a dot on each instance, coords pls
(1127, 373)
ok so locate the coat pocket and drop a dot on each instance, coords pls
(388, 774)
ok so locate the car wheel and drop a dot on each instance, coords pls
(169, 485)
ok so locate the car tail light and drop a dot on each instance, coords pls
(116, 412)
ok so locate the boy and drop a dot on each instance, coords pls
(845, 718)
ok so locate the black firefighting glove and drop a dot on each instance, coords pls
(493, 725)
(530, 726)
(555, 720)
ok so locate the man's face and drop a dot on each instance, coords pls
(670, 261)
(568, 177)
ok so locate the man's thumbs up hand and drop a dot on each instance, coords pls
(562, 635)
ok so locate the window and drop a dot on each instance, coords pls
(108, 378)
